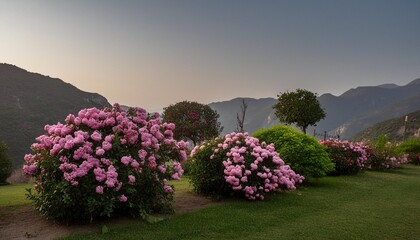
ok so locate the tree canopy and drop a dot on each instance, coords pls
(194, 121)
(5, 163)
(300, 107)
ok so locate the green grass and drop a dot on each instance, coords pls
(372, 205)
(14, 195)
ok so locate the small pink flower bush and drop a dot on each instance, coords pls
(104, 162)
(386, 155)
(348, 157)
(239, 165)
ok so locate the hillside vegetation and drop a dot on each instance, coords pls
(28, 101)
(393, 128)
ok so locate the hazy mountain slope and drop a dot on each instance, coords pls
(28, 101)
(393, 128)
(360, 101)
(401, 108)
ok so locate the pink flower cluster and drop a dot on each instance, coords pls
(358, 148)
(251, 167)
(395, 162)
(101, 143)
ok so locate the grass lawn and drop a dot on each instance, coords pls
(372, 205)
(14, 195)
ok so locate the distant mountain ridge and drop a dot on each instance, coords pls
(28, 101)
(347, 114)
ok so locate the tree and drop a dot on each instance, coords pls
(194, 121)
(300, 107)
(240, 120)
(5, 163)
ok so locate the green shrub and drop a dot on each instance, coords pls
(5, 163)
(303, 153)
(207, 176)
(412, 148)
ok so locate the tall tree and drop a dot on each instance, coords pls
(300, 107)
(194, 121)
(5, 163)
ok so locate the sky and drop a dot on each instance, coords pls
(151, 54)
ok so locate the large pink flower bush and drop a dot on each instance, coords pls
(104, 162)
(239, 164)
(348, 157)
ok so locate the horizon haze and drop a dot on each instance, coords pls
(151, 54)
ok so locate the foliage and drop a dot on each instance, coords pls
(104, 162)
(5, 163)
(194, 121)
(239, 164)
(300, 107)
(412, 148)
(385, 155)
(303, 153)
(348, 157)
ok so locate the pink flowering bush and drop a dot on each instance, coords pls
(238, 164)
(385, 155)
(348, 157)
(411, 148)
(104, 162)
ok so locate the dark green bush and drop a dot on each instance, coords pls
(5, 163)
(303, 153)
(207, 176)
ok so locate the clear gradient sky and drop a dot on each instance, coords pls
(154, 53)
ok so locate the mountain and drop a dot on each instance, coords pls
(362, 107)
(259, 113)
(28, 101)
(347, 114)
(393, 128)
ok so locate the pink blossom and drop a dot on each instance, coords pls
(131, 179)
(135, 164)
(162, 168)
(123, 198)
(168, 189)
(126, 160)
(175, 176)
(254, 166)
(100, 152)
(106, 145)
(96, 136)
(99, 189)
(142, 154)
